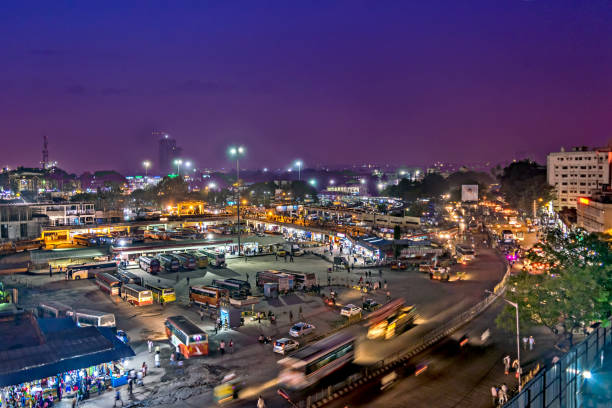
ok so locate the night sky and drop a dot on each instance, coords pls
(403, 82)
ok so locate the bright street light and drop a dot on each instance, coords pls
(312, 182)
(362, 181)
(212, 185)
(146, 164)
(332, 182)
(236, 152)
(178, 163)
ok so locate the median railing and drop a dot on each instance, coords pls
(332, 392)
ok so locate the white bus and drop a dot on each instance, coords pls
(53, 309)
(88, 271)
(316, 361)
(86, 317)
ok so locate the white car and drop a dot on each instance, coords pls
(285, 345)
(301, 329)
(350, 310)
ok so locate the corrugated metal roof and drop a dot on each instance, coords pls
(40, 256)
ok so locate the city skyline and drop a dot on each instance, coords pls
(343, 83)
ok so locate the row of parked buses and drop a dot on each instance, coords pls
(173, 262)
(133, 290)
(286, 280)
(82, 317)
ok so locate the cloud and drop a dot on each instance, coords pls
(198, 86)
(76, 89)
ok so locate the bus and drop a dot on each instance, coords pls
(87, 271)
(136, 295)
(128, 277)
(86, 317)
(314, 362)
(149, 264)
(302, 280)
(285, 281)
(214, 258)
(201, 260)
(168, 263)
(244, 285)
(390, 320)
(189, 338)
(85, 239)
(187, 261)
(464, 253)
(235, 290)
(160, 291)
(209, 296)
(108, 283)
(53, 309)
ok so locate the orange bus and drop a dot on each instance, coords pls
(187, 336)
(108, 283)
(207, 295)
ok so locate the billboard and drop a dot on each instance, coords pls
(469, 192)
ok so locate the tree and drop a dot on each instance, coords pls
(524, 182)
(171, 189)
(576, 290)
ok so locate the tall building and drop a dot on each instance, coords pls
(577, 173)
(168, 151)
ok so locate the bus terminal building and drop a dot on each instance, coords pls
(43, 358)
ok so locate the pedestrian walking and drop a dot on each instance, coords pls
(231, 346)
(157, 349)
(50, 271)
(503, 398)
(144, 369)
(117, 398)
(247, 277)
(276, 256)
(290, 316)
(260, 402)
(525, 340)
(131, 386)
(150, 345)
(388, 296)
(188, 281)
(531, 342)
(222, 347)
(494, 396)
(507, 361)
(157, 361)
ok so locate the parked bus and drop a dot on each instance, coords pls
(108, 283)
(86, 317)
(87, 271)
(244, 285)
(168, 263)
(187, 261)
(207, 295)
(85, 240)
(235, 290)
(149, 264)
(136, 295)
(128, 277)
(201, 260)
(189, 338)
(464, 253)
(214, 258)
(390, 320)
(160, 291)
(285, 281)
(311, 364)
(302, 280)
(53, 309)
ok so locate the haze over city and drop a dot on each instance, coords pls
(413, 82)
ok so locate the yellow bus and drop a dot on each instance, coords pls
(161, 291)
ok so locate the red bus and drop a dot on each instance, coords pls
(190, 339)
(136, 295)
(108, 283)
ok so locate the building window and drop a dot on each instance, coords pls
(3, 231)
(23, 230)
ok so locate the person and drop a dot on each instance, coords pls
(531, 342)
(188, 281)
(525, 340)
(157, 349)
(507, 362)
(555, 359)
(517, 367)
(260, 402)
(131, 386)
(50, 271)
(261, 338)
(171, 358)
(290, 316)
(201, 312)
(380, 273)
(157, 360)
(494, 396)
(222, 347)
(74, 402)
(231, 346)
(144, 369)
(117, 398)
(247, 277)
(150, 345)
(503, 398)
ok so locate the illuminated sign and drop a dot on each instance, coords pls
(584, 201)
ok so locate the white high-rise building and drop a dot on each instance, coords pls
(577, 173)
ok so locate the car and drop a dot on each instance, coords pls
(350, 310)
(285, 345)
(301, 329)
(370, 305)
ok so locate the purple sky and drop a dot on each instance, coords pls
(405, 82)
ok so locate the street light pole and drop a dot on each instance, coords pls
(236, 152)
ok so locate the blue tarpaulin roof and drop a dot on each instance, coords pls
(65, 347)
